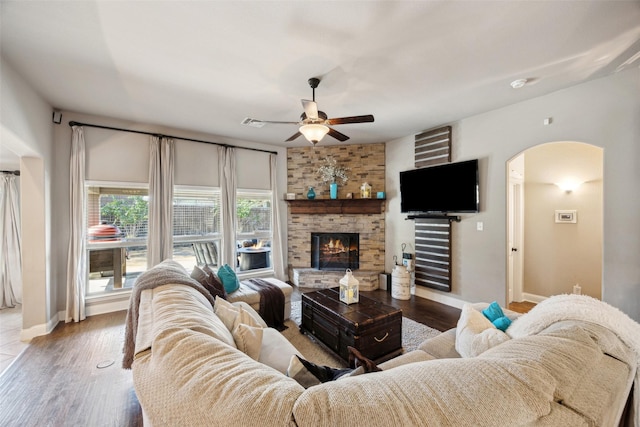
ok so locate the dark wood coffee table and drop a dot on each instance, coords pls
(375, 329)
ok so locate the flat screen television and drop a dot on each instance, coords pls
(451, 187)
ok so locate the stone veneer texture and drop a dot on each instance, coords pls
(366, 163)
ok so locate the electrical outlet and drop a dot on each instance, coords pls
(480, 226)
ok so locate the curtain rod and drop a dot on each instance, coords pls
(16, 173)
(72, 123)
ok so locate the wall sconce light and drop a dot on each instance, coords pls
(569, 185)
(314, 132)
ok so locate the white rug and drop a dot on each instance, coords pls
(413, 334)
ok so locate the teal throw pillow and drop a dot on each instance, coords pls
(229, 279)
(496, 316)
(502, 323)
(493, 312)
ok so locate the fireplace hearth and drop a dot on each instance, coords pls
(335, 251)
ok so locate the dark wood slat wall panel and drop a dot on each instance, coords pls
(433, 235)
(433, 147)
(433, 253)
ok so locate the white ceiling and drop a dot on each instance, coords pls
(206, 65)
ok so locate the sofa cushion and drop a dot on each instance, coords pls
(185, 307)
(475, 333)
(567, 353)
(494, 313)
(192, 379)
(209, 280)
(215, 281)
(458, 392)
(276, 350)
(441, 346)
(248, 339)
(227, 312)
(233, 314)
(229, 279)
(244, 323)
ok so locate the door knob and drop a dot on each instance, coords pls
(514, 249)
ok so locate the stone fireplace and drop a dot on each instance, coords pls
(366, 163)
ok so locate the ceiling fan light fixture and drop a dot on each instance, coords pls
(314, 132)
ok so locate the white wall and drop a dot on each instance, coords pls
(603, 113)
(26, 129)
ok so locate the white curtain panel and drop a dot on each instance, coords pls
(77, 260)
(11, 261)
(227, 171)
(161, 167)
(276, 250)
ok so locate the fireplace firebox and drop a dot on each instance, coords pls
(335, 251)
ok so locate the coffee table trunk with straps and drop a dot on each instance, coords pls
(373, 328)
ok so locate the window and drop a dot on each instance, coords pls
(117, 221)
(196, 226)
(117, 229)
(253, 229)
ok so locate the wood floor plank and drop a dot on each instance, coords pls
(56, 381)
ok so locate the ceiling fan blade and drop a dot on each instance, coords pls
(354, 119)
(337, 135)
(294, 136)
(279, 123)
(310, 108)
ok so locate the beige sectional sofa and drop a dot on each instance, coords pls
(195, 367)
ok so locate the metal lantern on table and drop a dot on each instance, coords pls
(349, 288)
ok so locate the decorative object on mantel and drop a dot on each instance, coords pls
(331, 172)
(349, 288)
(290, 196)
(365, 191)
(311, 194)
(333, 190)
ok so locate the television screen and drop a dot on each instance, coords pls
(452, 187)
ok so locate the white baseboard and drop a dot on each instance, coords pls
(438, 297)
(103, 305)
(27, 335)
(533, 298)
(93, 307)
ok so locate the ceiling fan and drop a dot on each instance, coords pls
(314, 124)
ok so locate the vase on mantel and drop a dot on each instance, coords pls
(311, 194)
(333, 190)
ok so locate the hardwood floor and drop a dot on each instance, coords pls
(521, 307)
(10, 329)
(57, 381)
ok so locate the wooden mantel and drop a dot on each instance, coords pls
(336, 206)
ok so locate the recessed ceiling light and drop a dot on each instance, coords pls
(517, 84)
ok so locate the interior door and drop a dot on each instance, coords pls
(515, 238)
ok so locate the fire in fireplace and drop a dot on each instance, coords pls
(335, 251)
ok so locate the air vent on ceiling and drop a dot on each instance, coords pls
(252, 122)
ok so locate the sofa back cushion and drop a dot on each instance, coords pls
(189, 379)
(471, 391)
(180, 306)
(589, 381)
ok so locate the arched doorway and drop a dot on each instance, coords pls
(554, 215)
